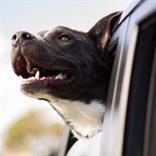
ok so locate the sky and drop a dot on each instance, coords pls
(34, 16)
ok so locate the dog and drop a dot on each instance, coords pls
(69, 69)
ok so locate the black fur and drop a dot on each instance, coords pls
(83, 55)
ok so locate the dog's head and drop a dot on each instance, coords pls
(63, 62)
(63, 65)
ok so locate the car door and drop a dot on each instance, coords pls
(130, 120)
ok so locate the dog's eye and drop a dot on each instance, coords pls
(64, 37)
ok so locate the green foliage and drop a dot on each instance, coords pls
(33, 124)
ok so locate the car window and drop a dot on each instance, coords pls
(130, 121)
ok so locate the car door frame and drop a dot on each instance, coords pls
(125, 37)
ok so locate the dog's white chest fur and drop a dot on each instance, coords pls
(85, 120)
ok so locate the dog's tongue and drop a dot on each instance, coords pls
(20, 66)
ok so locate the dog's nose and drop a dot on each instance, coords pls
(21, 36)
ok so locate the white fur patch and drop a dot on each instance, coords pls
(86, 147)
(83, 119)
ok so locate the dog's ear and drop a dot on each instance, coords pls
(101, 32)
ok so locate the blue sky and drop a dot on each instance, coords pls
(34, 16)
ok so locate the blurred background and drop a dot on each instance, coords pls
(27, 126)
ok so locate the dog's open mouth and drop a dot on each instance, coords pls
(32, 73)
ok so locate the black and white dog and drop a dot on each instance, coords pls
(69, 69)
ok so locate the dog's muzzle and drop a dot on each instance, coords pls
(35, 74)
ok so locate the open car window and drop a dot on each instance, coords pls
(130, 120)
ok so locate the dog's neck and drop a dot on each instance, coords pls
(85, 120)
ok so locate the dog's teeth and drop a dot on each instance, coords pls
(61, 76)
(64, 76)
(37, 75)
